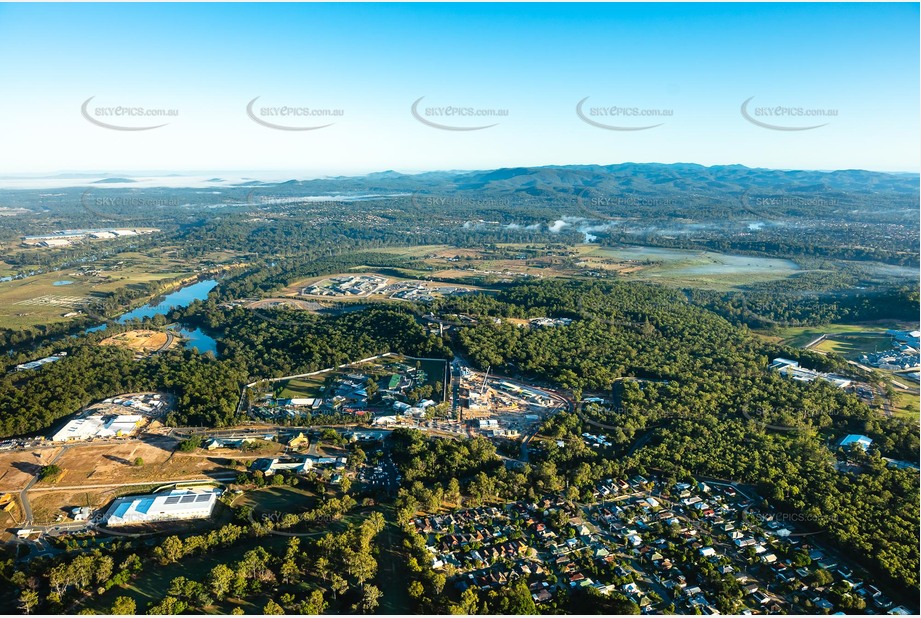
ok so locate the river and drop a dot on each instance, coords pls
(181, 298)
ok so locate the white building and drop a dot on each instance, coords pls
(121, 425)
(79, 429)
(175, 505)
(98, 427)
(858, 440)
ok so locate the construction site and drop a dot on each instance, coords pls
(497, 407)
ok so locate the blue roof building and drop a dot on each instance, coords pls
(862, 441)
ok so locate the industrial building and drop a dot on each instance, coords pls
(176, 505)
(857, 440)
(792, 369)
(301, 464)
(98, 427)
(42, 361)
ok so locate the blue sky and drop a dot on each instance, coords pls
(693, 65)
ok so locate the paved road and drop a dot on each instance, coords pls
(24, 497)
(169, 341)
(217, 477)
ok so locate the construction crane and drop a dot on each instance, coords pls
(485, 376)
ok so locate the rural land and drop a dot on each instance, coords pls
(637, 389)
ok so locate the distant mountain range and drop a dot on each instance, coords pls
(562, 180)
(630, 178)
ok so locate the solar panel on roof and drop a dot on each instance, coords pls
(171, 500)
(121, 509)
(203, 498)
(187, 499)
(144, 505)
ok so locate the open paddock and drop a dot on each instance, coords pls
(140, 341)
(17, 468)
(112, 461)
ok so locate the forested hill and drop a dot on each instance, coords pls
(690, 392)
(659, 177)
(699, 389)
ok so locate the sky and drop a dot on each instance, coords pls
(828, 86)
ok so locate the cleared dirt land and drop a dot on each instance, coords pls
(286, 303)
(18, 467)
(141, 341)
(48, 506)
(115, 464)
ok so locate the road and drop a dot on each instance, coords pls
(455, 387)
(217, 477)
(169, 342)
(24, 497)
(27, 508)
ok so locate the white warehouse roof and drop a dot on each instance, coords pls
(177, 504)
(79, 429)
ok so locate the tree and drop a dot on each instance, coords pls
(103, 567)
(591, 601)
(338, 584)
(821, 577)
(370, 598)
(190, 444)
(321, 567)
(170, 550)
(416, 589)
(512, 599)
(272, 609)
(361, 565)
(28, 600)
(220, 579)
(138, 462)
(49, 472)
(123, 606)
(469, 602)
(438, 581)
(452, 493)
(315, 604)
(169, 606)
(289, 571)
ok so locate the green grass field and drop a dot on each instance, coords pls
(705, 269)
(853, 346)
(313, 385)
(282, 499)
(301, 387)
(905, 405)
(152, 583)
(798, 336)
(37, 300)
(434, 369)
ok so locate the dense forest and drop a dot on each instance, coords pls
(254, 345)
(688, 390)
(700, 388)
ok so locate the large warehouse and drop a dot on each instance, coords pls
(175, 505)
(98, 427)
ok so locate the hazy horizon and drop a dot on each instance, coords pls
(350, 89)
